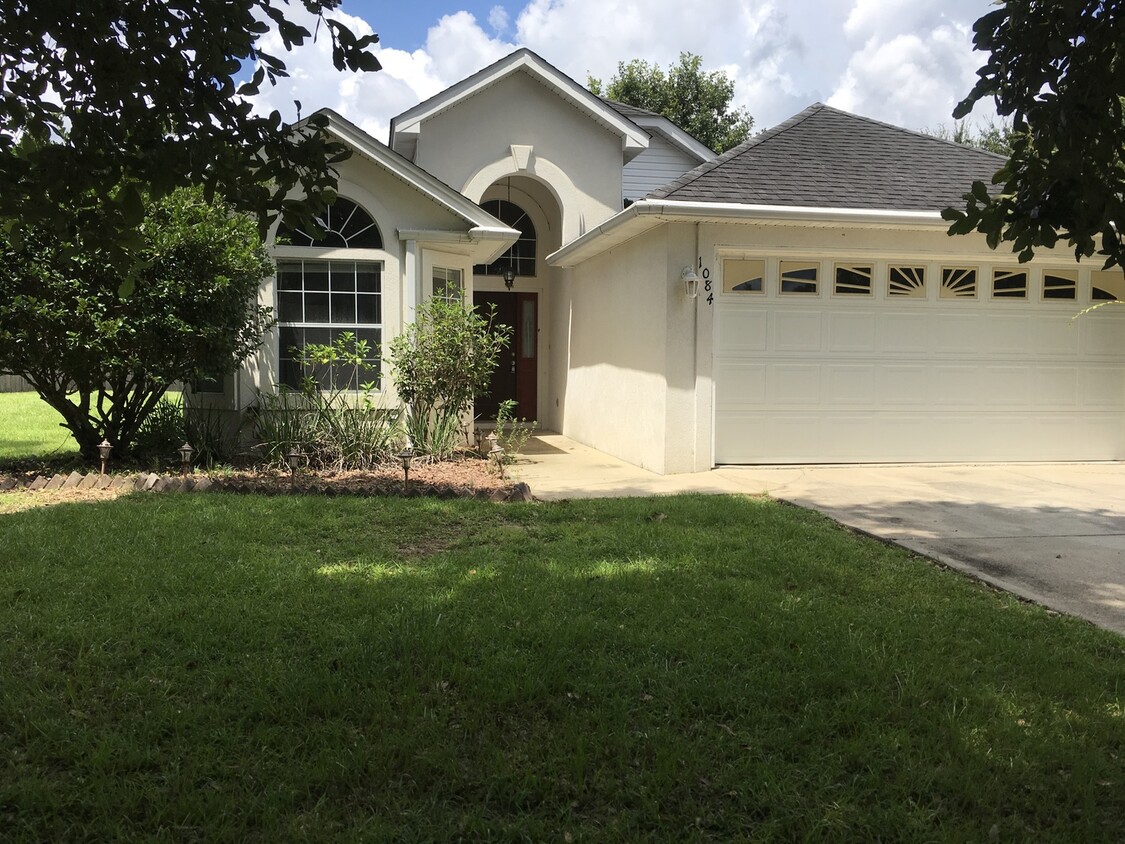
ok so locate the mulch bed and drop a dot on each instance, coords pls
(466, 477)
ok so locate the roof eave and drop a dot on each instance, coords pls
(649, 213)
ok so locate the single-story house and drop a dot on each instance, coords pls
(796, 299)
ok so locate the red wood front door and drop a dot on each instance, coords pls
(517, 375)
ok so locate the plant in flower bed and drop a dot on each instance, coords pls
(441, 361)
(333, 419)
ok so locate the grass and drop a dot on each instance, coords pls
(224, 668)
(30, 429)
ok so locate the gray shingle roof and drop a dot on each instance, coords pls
(828, 158)
(630, 111)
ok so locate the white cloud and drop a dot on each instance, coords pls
(498, 19)
(903, 61)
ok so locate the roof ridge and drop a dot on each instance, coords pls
(763, 136)
(913, 132)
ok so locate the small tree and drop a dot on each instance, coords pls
(440, 362)
(102, 360)
(697, 102)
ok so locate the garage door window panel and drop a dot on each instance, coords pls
(958, 282)
(909, 282)
(853, 279)
(1107, 285)
(744, 276)
(1060, 284)
(1009, 284)
(800, 277)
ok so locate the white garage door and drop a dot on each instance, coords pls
(915, 361)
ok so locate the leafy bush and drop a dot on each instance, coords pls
(343, 427)
(162, 432)
(103, 360)
(441, 361)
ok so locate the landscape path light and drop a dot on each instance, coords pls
(186, 451)
(406, 455)
(293, 461)
(105, 448)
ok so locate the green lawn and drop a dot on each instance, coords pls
(222, 668)
(29, 428)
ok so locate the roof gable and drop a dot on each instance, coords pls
(827, 158)
(654, 123)
(406, 127)
(410, 173)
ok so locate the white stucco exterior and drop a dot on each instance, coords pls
(628, 363)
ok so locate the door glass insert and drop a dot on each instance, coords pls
(527, 329)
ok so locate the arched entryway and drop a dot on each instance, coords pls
(516, 289)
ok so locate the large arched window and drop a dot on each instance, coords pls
(346, 226)
(319, 299)
(521, 256)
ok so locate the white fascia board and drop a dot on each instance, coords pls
(484, 244)
(409, 123)
(647, 213)
(410, 173)
(676, 136)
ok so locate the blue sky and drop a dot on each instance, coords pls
(906, 62)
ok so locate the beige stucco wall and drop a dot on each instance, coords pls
(617, 390)
(468, 146)
(639, 375)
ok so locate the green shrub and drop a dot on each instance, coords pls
(162, 431)
(441, 361)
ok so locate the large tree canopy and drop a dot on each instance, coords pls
(1057, 69)
(95, 94)
(102, 360)
(697, 102)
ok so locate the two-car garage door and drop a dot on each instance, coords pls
(822, 361)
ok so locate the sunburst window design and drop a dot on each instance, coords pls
(854, 279)
(799, 277)
(958, 283)
(1060, 284)
(907, 281)
(1009, 284)
(742, 276)
(345, 224)
(1108, 285)
(520, 257)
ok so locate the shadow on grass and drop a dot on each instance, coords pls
(700, 668)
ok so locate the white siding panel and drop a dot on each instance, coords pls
(658, 165)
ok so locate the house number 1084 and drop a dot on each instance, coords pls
(705, 274)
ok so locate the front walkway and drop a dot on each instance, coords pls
(1050, 532)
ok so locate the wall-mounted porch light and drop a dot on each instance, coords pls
(691, 282)
(509, 277)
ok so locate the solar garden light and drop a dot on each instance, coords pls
(293, 461)
(186, 451)
(406, 455)
(104, 450)
(496, 452)
(478, 435)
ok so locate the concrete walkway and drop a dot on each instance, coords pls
(1053, 533)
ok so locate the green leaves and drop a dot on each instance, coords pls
(697, 102)
(1058, 69)
(97, 95)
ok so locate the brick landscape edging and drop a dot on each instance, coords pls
(153, 482)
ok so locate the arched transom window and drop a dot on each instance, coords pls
(521, 256)
(346, 226)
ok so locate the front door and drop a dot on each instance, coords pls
(516, 376)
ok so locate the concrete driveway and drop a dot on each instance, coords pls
(1053, 533)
